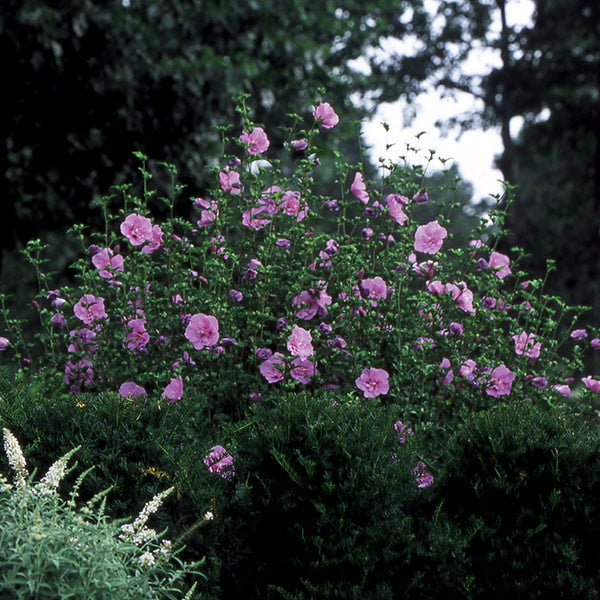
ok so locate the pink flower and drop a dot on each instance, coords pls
(272, 368)
(202, 331)
(131, 390)
(456, 328)
(89, 308)
(209, 211)
(374, 288)
(562, 388)
(499, 262)
(290, 203)
(253, 217)
(4, 344)
(402, 430)
(395, 204)
(467, 369)
(359, 189)
(155, 240)
(138, 337)
(595, 343)
(220, 461)
(591, 384)
(230, 182)
(501, 382)
(257, 141)
(137, 229)
(578, 333)
(524, 344)
(373, 382)
(77, 374)
(174, 390)
(236, 295)
(299, 145)
(312, 302)
(299, 343)
(303, 370)
(57, 320)
(539, 382)
(462, 295)
(430, 237)
(422, 476)
(104, 260)
(326, 115)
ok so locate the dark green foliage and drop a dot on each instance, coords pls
(91, 82)
(129, 446)
(321, 508)
(524, 486)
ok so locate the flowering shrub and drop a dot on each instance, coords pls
(273, 285)
(50, 548)
(268, 296)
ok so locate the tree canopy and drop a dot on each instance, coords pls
(88, 83)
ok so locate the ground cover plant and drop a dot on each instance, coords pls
(209, 350)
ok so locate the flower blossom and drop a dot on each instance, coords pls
(359, 189)
(422, 476)
(202, 330)
(501, 382)
(591, 384)
(220, 461)
(129, 389)
(106, 263)
(138, 337)
(230, 182)
(257, 140)
(89, 308)
(524, 345)
(499, 262)
(272, 368)
(429, 238)
(174, 390)
(299, 344)
(373, 382)
(312, 302)
(395, 204)
(253, 217)
(326, 116)
(402, 430)
(155, 240)
(578, 333)
(4, 344)
(208, 211)
(374, 288)
(78, 373)
(303, 370)
(137, 229)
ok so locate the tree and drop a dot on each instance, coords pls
(548, 74)
(88, 83)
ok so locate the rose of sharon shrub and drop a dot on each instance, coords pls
(329, 286)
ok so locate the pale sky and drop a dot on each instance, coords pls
(475, 150)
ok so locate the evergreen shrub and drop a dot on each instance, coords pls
(523, 484)
(322, 504)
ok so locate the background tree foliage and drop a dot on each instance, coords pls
(548, 75)
(88, 83)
